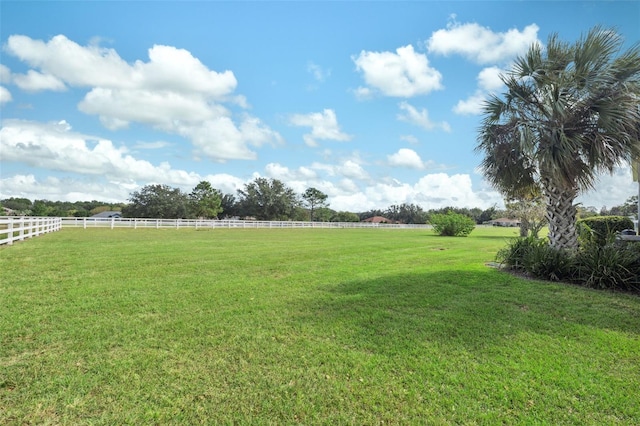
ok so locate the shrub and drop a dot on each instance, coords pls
(536, 257)
(548, 263)
(614, 266)
(514, 253)
(452, 224)
(600, 229)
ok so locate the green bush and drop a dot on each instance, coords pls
(614, 266)
(452, 224)
(600, 230)
(513, 255)
(548, 263)
(536, 257)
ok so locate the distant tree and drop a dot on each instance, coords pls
(531, 212)
(59, 211)
(157, 201)
(100, 209)
(487, 215)
(40, 208)
(314, 198)
(324, 214)
(19, 205)
(406, 213)
(205, 201)
(268, 199)
(95, 207)
(229, 205)
(299, 214)
(628, 208)
(585, 212)
(370, 213)
(345, 217)
(475, 214)
(23, 206)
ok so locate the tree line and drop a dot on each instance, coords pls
(271, 199)
(17, 206)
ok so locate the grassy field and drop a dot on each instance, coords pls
(303, 327)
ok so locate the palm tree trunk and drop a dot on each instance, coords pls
(561, 214)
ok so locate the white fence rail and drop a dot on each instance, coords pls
(18, 228)
(90, 222)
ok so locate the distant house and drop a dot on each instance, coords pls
(108, 215)
(378, 219)
(504, 221)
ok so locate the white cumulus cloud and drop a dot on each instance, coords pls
(168, 69)
(5, 95)
(489, 82)
(88, 188)
(610, 189)
(54, 146)
(34, 81)
(406, 158)
(324, 126)
(5, 74)
(173, 92)
(430, 191)
(481, 44)
(404, 73)
(349, 168)
(473, 105)
(352, 170)
(318, 73)
(52, 188)
(420, 117)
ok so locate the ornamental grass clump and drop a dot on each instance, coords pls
(614, 265)
(537, 258)
(512, 256)
(548, 262)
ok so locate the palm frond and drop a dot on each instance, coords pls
(568, 113)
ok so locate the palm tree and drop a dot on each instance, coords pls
(569, 113)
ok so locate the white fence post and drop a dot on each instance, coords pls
(10, 232)
(21, 231)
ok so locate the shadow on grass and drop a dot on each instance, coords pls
(473, 309)
(506, 238)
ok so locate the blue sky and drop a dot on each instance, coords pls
(373, 103)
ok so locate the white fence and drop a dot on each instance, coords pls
(90, 222)
(18, 228)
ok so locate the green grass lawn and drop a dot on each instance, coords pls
(310, 326)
